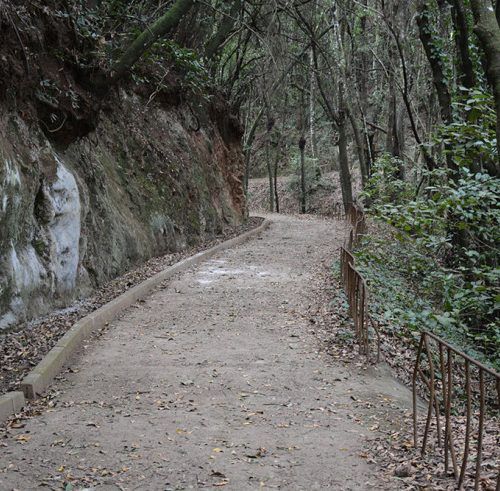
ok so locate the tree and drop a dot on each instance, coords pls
(160, 28)
(488, 32)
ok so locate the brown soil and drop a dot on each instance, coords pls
(321, 200)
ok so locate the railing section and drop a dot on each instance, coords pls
(459, 388)
(355, 285)
(462, 389)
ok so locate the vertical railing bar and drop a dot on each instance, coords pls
(435, 398)
(443, 389)
(367, 326)
(448, 409)
(415, 375)
(359, 315)
(480, 430)
(467, 426)
(431, 398)
(362, 315)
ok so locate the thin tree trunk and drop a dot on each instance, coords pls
(345, 176)
(390, 144)
(270, 176)
(488, 32)
(337, 118)
(312, 112)
(405, 93)
(302, 145)
(276, 197)
(466, 69)
(360, 149)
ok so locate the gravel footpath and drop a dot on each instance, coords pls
(22, 347)
(216, 380)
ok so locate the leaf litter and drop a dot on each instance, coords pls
(392, 450)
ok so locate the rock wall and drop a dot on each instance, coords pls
(96, 178)
(153, 177)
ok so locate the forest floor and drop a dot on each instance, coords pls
(218, 379)
(322, 197)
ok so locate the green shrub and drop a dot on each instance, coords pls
(443, 246)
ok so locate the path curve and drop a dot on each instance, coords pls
(215, 381)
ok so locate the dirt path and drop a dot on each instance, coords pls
(214, 381)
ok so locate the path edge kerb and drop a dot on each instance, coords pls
(35, 383)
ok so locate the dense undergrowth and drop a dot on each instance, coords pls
(431, 257)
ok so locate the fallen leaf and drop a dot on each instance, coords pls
(23, 438)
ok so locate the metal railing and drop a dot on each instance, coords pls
(438, 368)
(356, 217)
(439, 378)
(355, 285)
(337, 211)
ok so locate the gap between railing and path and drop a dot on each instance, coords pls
(440, 372)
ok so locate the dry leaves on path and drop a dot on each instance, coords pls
(22, 347)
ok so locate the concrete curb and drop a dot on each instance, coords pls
(11, 403)
(50, 366)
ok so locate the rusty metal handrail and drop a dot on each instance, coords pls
(356, 217)
(357, 297)
(337, 211)
(354, 283)
(440, 379)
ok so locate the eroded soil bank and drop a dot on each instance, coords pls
(216, 380)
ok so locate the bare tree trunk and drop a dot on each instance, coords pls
(276, 197)
(360, 148)
(337, 118)
(248, 156)
(345, 176)
(302, 145)
(270, 176)
(488, 32)
(395, 133)
(390, 146)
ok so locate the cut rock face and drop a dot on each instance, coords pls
(29, 273)
(65, 228)
(74, 217)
